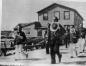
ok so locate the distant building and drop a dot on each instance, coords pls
(6, 33)
(66, 15)
(31, 29)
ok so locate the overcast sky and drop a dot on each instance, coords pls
(25, 11)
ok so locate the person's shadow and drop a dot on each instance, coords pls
(81, 56)
(10, 54)
(81, 62)
(76, 62)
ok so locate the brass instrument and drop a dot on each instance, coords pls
(54, 26)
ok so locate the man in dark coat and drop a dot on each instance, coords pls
(56, 41)
(46, 42)
(47, 33)
(20, 38)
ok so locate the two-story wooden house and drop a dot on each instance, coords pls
(67, 16)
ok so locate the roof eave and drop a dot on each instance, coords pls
(61, 6)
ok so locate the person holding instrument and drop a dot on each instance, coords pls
(56, 33)
(19, 39)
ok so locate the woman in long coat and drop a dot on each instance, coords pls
(73, 41)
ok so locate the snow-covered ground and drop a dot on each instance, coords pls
(39, 57)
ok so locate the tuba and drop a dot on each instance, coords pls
(54, 26)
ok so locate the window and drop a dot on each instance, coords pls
(45, 16)
(39, 32)
(57, 14)
(66, 15)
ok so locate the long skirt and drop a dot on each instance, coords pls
(72, 49)
(80, 45)
(18, 48)
(18, 52)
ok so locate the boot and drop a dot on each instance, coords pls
(60, 58)
(53, 62)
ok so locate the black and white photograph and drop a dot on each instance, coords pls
(43, 33)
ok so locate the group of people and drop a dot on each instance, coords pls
(78, 41)
(72, 38)
(75, 39)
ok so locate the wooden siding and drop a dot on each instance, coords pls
(62, 20)
(77, 20)
(33, 32)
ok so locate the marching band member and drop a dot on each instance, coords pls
(84, 44)
(46, 42)
(73, 42)
(56, 33)
(19, 39)
(67, 36)
(82, 40)
(80, 44)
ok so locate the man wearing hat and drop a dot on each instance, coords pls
(56, 19)
(48, 40)
(19, 39)
(56, 33)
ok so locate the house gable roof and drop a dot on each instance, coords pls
(54, 5)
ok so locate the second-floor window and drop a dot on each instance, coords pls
(45, 16)
(66, 15)
(57, 14)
